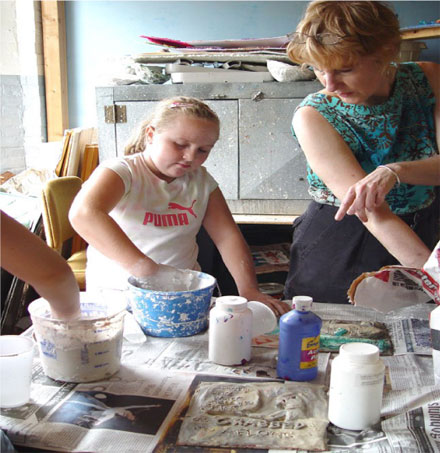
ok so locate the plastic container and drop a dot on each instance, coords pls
(434, 324)
(84, 350)
(356, 386)
(16, 355)
(162, 313)
(233, 322)
(299, 342)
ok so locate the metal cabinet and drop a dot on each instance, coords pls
(256, 162)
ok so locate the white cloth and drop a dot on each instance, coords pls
(162, 219)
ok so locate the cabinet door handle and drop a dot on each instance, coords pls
(258, 96)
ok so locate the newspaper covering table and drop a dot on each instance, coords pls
(135, 409)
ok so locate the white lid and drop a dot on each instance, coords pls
(234, 303)
(360, 352)
(302, 303)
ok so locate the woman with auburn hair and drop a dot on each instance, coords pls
(371, 139)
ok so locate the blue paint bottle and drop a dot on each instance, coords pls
(299, 342)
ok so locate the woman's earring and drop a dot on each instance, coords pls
(391, 67)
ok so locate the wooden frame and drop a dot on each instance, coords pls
(421, 33)
(55, 68)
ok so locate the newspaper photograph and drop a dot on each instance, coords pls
(126, 413)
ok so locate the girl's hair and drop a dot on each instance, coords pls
(361, 28)
(165, 113)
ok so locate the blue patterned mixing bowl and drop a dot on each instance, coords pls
(172, 313)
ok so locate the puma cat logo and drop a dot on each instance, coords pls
(183, 208)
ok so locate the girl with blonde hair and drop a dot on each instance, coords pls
(141, 213)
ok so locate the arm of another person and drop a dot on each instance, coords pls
(235, 252)
(29, 258)
(330, 158)
(370, 191)
(90, 217)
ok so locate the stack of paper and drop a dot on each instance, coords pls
(218, 61)
(72, 158)
(79, 158)
(251, 44)
(220, 76)
(184, 73)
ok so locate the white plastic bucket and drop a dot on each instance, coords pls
(84, 350)
(16, 354)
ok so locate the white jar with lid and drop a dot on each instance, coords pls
(230, 331)
(356, 386)
(434, 324)
(233, 322)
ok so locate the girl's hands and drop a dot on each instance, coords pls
(143, 268)
(367, 194)
(277, 306)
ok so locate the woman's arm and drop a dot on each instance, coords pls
(370, 191)
(90, 217)
(26, 256)
(333, 161)
(235, 252)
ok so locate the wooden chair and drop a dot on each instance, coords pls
(57, 197)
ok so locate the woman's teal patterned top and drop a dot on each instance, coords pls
(400, 129)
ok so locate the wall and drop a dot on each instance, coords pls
(98, 30)
(23, 123)
(12, 131)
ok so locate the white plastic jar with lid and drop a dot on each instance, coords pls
(356, 386)
(230, 331)
(233, 322)
(434, 324)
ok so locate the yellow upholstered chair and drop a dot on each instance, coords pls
(57, 197)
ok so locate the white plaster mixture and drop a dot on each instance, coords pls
(84, 350)
(171, 280)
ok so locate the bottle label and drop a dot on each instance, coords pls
(309, 352)
(370, 379)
